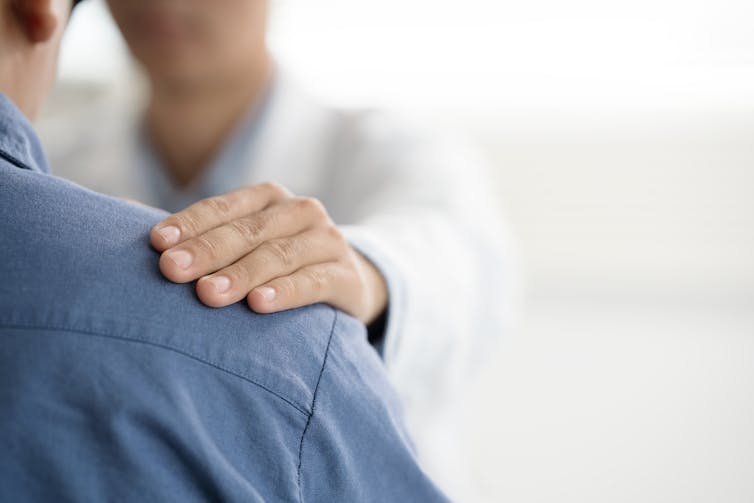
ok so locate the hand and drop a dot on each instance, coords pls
(277, 250)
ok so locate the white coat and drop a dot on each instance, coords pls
(420, 206)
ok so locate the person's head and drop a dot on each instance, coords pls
(188, 43)
(30, 34)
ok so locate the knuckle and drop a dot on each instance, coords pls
(311, 205)
(283, 250)
(316, 279)
(276, 190)
(188, 223)
(217, 205)
(207, 247)
(302, 203)
(239, 274)
(287, 287)
(250, 229)
(333, 234)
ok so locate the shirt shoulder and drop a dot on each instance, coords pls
(175, 400)
(75, 260)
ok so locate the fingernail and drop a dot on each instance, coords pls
(268, 293)
(182, 258)
(170, 234)
(221, 283)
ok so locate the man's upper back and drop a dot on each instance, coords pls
(116, 384)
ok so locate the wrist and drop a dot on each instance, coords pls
(376, 293)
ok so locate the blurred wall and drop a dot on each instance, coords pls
(649, 201)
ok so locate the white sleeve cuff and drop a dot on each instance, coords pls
(366, 243)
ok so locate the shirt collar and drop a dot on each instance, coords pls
(19, 144)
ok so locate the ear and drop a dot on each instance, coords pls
(38, 19)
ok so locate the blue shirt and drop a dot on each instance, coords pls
(116, 384)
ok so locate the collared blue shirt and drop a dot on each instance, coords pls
(116, 384)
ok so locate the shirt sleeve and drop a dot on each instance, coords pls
(386, 331)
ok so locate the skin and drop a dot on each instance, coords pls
(207, 64)
(30, 34)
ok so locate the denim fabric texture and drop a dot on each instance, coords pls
(117, 385)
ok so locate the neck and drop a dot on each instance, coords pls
(189, 124)
(20, 72)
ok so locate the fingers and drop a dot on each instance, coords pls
(262, 243)
(227, 243)
(326, 282)
(272, 259)
(214, 211)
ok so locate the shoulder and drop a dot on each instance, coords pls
(76, 260)
(355, 446)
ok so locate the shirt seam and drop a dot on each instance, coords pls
(168, 348)
(14, 160)
(313, 406)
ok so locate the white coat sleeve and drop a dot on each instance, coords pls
(421, 208)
